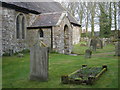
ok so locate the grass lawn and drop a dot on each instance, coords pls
(16, 70)
(81, 50)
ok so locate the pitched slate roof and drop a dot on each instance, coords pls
(73, 20)
(50, 19)
(40, 7)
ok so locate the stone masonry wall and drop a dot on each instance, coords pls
(9, 40)
(8, 29)
(58, 37)
(0, 31)
(8, 34)
(33, 36)
(47, 36)
(76, 34)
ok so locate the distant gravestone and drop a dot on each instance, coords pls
(38, 63)
(99, 44)
(117, 48)
(88, 42)
(104, 42)
(93, 44)
(88, 53)
(20, 55)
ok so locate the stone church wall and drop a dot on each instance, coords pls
(47, 36)
(0, 31)
(76, 34)
(9, 40)
(33, 37)
(58, 37)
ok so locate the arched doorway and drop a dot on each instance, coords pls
(66, 39)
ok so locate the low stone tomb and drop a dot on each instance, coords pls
(88, 53)
(85, 75)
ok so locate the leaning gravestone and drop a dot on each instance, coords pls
(38, 56)
(38, 63)
(117, 48)
(99, 44)
(93, 44)
(88, 53)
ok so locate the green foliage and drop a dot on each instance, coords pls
(6, 54)
(23, 51)
(104, 23)
(86, 34)
(83, 35)
(54, 52)
(85, 73)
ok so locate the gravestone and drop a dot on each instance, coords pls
(88, 53)
(117, 48)
(93, 44)
(104, 41)
(88, 42)
(99, 44)
(38, 63)
(20, 55)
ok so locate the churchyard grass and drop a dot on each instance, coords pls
(16, 70)
(81, 50)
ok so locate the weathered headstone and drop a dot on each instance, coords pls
(117, 49)
(88, 42)
(88, 53)
(99, 44)
(104, 41)
(93, 44)
(38, 63)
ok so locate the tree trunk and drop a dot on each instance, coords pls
(110, 19)
(92, 27)
(115, 21)
(87, 22)
(92, 19)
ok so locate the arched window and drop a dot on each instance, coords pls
(20, 27)
(23, 28)
(41, 33)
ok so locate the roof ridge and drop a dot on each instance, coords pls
(73, 17)
(50, 13)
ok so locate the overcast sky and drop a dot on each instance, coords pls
(96, 28)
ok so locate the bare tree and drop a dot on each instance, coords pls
(115, 11)
(92, 11)
(87, 14)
